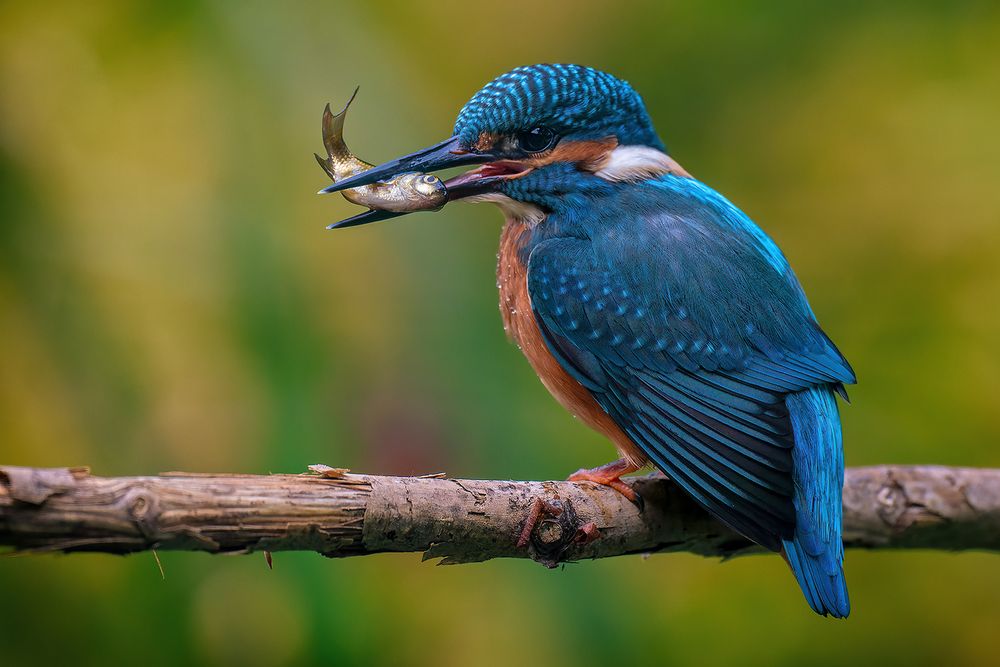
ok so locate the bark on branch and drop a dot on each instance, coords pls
(338, 514)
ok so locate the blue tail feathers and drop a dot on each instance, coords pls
(816, 553)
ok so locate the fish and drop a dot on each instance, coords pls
(404, 193)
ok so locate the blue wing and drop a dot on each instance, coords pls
(684, 321)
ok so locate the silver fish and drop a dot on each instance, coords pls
(411, 191)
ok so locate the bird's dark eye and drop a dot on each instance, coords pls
(536, 140)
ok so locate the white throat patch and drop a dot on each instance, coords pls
(638, 163)
(525, 213)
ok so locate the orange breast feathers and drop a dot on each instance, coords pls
(520, 325)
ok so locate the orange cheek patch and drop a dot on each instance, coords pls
(587, 154)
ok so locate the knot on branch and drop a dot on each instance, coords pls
(143, 508)
(556, 529)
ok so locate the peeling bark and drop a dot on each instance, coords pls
(339, 514)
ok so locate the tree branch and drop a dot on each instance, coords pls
(339, 514)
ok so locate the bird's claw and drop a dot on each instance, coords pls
(610, 475)
(627, 491)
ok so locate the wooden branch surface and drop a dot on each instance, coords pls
(340, 514)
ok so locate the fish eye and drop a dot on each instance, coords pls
(536, 140)
(429, 179)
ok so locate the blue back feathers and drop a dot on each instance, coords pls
(573, 100)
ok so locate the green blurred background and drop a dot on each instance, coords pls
(169, 299)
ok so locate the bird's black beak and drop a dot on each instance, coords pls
(370, 215)
(444, 155)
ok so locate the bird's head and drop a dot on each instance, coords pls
(532, 130)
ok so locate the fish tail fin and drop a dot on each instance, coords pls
(333, 127)
(816, 552)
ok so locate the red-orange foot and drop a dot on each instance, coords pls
(610, 474)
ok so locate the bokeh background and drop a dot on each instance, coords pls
(169, 299)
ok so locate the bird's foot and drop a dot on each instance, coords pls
(538, 508)
(610, 474)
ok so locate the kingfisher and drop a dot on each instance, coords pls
(654, 310)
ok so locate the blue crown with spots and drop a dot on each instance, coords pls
(575, 101)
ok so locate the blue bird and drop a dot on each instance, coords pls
(655, 310)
